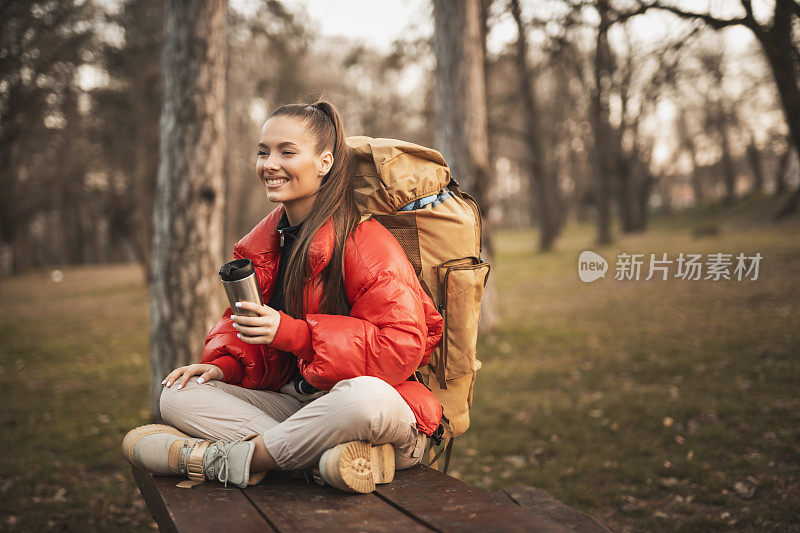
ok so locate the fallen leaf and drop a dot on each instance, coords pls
(745, 490)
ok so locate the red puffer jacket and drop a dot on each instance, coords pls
(392, 329)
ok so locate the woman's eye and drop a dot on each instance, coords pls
(287, 152)
(262, 152)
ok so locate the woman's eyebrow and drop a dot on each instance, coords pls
(280, 145)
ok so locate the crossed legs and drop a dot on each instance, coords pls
(294, 434)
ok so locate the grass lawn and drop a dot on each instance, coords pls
(653, 405)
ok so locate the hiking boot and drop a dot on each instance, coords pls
(357, 466)
(164, 450)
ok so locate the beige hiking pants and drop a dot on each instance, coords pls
(297, 429)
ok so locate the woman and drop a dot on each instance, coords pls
(321, 374)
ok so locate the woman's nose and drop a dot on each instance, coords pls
(271, 163)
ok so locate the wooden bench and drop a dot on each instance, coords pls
(419, 499)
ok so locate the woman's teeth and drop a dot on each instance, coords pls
(276, 181)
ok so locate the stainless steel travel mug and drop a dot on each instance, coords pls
(240, 282)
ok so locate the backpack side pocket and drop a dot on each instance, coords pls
(460, 288)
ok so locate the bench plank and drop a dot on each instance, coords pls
(295, 505)
(542, 503)
(205, 507)
(447, 504)
(419, 499)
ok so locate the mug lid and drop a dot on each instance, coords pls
(236, 270)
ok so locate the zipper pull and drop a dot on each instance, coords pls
(281, 232)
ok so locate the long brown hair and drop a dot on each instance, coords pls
(334, 199)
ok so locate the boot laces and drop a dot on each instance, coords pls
(218, 465)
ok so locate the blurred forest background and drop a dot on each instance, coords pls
(597, 111)
(611, 125)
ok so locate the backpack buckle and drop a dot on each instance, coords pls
(436, 436)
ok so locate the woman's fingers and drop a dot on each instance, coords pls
(252, 331)
(249, 320)
(256, 329)
(180, 376)
(250, 306)
(191, 370)
(212, 373)
(172, 376)
(261, 339)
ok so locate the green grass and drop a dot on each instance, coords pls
(74, 370)
(643, 403)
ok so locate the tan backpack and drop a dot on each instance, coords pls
(408, 189)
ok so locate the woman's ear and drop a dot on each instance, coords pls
(326, 162)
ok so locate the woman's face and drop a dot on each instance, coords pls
(288, 165)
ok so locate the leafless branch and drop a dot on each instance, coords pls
(714, 22)
(622, 16)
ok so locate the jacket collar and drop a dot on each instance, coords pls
(262, 244)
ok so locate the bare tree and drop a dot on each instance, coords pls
(781, 51)
(780, 171)
(605, 158)
(720, 118)
(543, 186)
(687, 144)
(754, 158)
(189, 201)
(461, 109)
(128, 131)
(41, 46)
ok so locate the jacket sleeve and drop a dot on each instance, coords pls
(384, 336)
(225, 350)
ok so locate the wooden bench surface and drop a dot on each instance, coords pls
(419, 499)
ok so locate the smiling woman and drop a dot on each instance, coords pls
(320, 376)
(291, 170)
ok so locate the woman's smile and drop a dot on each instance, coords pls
(274, 183)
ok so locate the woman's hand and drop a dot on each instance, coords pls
(207, 373)
(259, 329)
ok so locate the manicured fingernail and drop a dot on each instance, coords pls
(165, 380)
(169, 383)
(179, 386)
(238, 304)
(200, 380)
(233, 317)
(238, 335)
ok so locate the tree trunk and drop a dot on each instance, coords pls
(542, 189)
(488, 233)
(603, 149)
(687, 142)
(779, 49)
(728, 169)
(754, 157)
(627, 197)
(780, 171)
(462, 125)
(187, 248)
